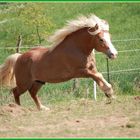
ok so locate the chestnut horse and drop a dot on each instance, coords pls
(69, 57)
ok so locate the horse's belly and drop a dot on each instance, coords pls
(59, 80)
(54, 75)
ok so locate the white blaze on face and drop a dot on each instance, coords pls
(112, 51)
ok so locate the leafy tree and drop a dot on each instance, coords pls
(27, 19)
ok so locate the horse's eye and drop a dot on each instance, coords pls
(101, 40)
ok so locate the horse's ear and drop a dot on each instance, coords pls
(93, 29)
(105, 22)
(96, 27)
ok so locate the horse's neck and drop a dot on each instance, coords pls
(79, 40)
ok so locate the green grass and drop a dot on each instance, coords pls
(124, 23)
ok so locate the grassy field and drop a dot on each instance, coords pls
(73, 118)
(72, 112)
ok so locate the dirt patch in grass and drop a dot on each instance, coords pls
(76, 118)
(13, 109)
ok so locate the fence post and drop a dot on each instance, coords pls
(108, 72)
(75, 84)
(19, 41)
(94, 91)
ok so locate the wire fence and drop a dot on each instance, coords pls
(126, 40)
(116, 40)
(125, 51)
(108, 72)
(119, 71)
(120, 51)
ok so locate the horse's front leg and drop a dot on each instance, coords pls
(103, 84)
(98, 77)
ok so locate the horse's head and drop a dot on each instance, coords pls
(102, 39)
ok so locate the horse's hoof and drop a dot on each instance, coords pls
(108, 101)
(113, 97)
(44, 108)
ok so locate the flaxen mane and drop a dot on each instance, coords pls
(74, 25)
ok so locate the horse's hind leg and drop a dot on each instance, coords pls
(33, 92)
(17, 92)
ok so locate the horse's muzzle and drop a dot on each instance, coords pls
(111, 55)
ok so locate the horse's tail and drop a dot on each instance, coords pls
(7, 76)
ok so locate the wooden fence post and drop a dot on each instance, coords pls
(75, 84)
(19, 41)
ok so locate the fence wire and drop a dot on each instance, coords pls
(124, 74)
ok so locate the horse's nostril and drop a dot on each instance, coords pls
(113, 56)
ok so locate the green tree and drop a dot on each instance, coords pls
(35, 17)
(27, 19)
